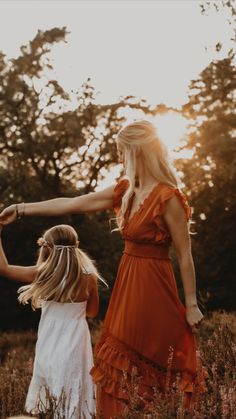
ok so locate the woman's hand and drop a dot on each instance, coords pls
(8, 215)
(193, 316)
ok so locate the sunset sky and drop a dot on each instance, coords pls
(149, 49)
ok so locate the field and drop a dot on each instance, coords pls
(217, 343)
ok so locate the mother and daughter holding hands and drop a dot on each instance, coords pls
(146, 323)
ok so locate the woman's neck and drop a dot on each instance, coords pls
(145, 180)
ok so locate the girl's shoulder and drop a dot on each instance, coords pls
(90, 279)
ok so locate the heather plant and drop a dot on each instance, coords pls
(57, 408)
(16, 356)
(217, 342)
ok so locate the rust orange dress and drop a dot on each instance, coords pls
(145, 325)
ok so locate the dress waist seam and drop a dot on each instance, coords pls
(146, 250)
(146, 257)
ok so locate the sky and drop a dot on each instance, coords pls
(149, 49)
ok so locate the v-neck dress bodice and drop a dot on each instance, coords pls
(147, 225)
(145, 318)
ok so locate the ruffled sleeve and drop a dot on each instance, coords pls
(118, 193)
(168, 193)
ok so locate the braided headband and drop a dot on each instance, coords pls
(65, 250)
(44, 243)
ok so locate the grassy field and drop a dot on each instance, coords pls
(217, 342)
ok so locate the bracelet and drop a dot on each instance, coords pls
(17, 212)
(191, 305)
(23, 210)
(20, 214)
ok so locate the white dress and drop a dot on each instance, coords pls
(63, 359)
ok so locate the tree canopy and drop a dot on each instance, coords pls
(55, 143)
(210, 176)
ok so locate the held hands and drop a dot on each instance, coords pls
(11, 213)
(193, 316)
(8, 215)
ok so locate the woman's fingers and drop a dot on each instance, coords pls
(8, 215)
(193, 316)
(195, 325)
(194, 321)
(194, 329)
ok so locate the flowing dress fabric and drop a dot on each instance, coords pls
(63, 359)
(145, 328)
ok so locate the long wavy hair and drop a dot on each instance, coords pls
(143, 150)
(63, 269)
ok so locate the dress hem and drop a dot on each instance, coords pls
(116, 362)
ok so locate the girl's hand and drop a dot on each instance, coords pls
(193, 316)
(8, 215)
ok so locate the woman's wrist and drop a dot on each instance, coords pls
(192, 305)
(191, 300)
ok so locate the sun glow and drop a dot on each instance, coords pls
(172, 129)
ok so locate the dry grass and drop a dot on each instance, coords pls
(217, 341)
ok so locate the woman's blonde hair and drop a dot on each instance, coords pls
(143, 147)
(63, 269)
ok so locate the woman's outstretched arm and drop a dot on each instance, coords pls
(176, 220)
(94, 201)
(17, 273)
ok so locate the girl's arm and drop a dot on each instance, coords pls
(93, 300)
(17, 273)
(94, 201)
(176, 220)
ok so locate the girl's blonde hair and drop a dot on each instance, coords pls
(144, 149)
(62, 269)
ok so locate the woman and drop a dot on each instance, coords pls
(146, 323)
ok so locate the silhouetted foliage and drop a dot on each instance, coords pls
(210, 176)
(53, 143)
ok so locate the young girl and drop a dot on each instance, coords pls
(64, 284)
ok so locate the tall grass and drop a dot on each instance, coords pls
(217, 343)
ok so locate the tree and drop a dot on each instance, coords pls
(211, 177)
(52, 146)
(51, 137)
(220, 6)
